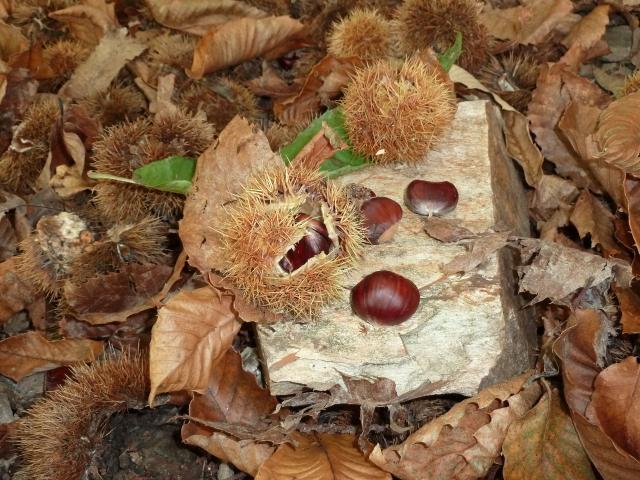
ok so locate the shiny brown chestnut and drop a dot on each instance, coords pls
(431, 198)
(381, 217)
(315, 240)
(385, 298)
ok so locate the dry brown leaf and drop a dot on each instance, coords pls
(17, 293)
(581, 349)
(193, 332)
(528, 23)
(113, 297)
(464, 442)
(479, 252)
(220, 173)
(590, 29)
(591, 217)
(271, 84)
(615, 404)
(553, 274)
(447, 229)
(198, 16)
(551, 194)
(618, 134)
(461, 76)
(630, 309)
(95, 74)
(89, 21)
(240, 40)
(320, 456)
(632, 205)
(12, 42)
(521, 147)
(320, 148)
(232, 396)
(32, 352)
(19, 90)
(544, 444)
(324, 82)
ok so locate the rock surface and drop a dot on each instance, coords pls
(469, 331)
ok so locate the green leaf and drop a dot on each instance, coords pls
(342, 162)
(171, 174)
(451, 54)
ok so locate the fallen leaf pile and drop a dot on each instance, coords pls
(128, 127)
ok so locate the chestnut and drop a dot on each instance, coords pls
(431, 198)
(315, 240)
(385, 298)
(381, 219)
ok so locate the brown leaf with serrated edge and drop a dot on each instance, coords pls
(95, 74)
(629, 302)
(17, 293)
(618, 134)
(198, 16)
(32, 352)
(113, 297)
(590, 29)
(591, 217)
(464, 442)
(544, 444)
(220, 173)
(193, 332)
(320, 456)
(521, 147)
(447, 230)
(615, 404)
(324, 81)
(89, 21)
(233, 396)
(530, 22)
(243, 39)
(553, 274)
(581, 349)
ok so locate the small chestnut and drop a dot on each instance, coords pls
(431, 198)
(385, 298)
(381, 218)
(315, 240)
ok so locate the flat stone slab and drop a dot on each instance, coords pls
(469, 330)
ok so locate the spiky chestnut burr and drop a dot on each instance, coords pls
(631, 84)
(49, 251)
(120, 103)
(23, 161)
(130, 145)
(276, 210)
(63, 56)
(220, 101)
(434, 23)
(172, 49)
(364, 33)
(59, 435)
(395, 113)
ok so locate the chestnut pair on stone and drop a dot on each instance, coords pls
(384, 297)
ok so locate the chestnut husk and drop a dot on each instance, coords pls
(315, 241)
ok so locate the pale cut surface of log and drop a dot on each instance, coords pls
(469, 331)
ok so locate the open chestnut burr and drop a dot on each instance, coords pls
(381, 217)
(431, 198)
(315, 241)
(385, 298)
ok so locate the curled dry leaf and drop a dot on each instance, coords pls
(95, 74)
(17, 293)
(243, 39)
(89, 21)
(629, 302)
(479, 252)
(618, 134)
(528, 23)
(198, 16)
(632, 196)
(32, 352)
(552, 273)
(590, 29)
(464, 442)
(544, 444)
(447, 230)
(581, 350)
(220, 173)
(324, 82)
(615, 404)
(232, 396)
(193, 332)
(521, 147)
(320, 456)
(13, 42)
(591, 217)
